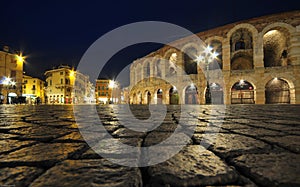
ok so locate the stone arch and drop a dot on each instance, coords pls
(139, 74)
(247, 26)
(288, 27)
(171, 62)
(139, 98)
(242, 44)
(159, 96)
(217, 93)
(277, 91)
(190, 53)
(146, 69)
(190, 93)
(242, 92)
(276, 43)
(134, 99)
(147, 97)
(173, 96)
(216, 42)
(158, 66)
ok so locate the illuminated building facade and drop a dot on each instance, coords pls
(107, 91)
(11, 73)
(66, 86)
(33, 90)
(257, 62)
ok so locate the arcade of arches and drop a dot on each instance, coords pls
(256, 64)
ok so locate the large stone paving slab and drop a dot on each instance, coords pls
(193, 166)
(41, 133)
(8, 145)
(291, 142)
(40, 154)
(231, 144)
(18, 176)
(85, 173)
(273, 169)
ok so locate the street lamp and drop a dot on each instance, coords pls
(8, 82)
(206, 57)
(19, 59)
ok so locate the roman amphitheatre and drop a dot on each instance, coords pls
(255, 61)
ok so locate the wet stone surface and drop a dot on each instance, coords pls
(242, 145)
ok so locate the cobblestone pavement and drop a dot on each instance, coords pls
(255, 145)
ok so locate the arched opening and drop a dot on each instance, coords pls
(275, 48)
(242, 92)
(241, 39)
(217, 62)
(173, 95)
(147, 70)
(190, 64)
(12, 98)
(157, 68)
(147, 97)
(139, 72)
(277, 92)
(172, 69)
(134, 99)
(159, 98)
(191, 95)
(241, 43)
(139, 98)
(217, 96)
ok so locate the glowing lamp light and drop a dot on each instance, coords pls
(111, 84)
(13, 83)
(72, 73)
(208, 49)
(20, 58)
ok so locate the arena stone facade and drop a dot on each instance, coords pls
(258, 62)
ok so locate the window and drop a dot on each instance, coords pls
(50, 83)
(99, 88)
(61, 81)
(33, 87)
(13, 73)
(239, 45)
(61, 73)
(33, 81)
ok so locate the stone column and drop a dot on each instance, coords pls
(226, 88)
(260, 97)
(258, 52)
(166, 99)
(294, 49)
(226, 56)
(152, 68)
(227, 94)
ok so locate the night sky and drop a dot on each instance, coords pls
(59, 32)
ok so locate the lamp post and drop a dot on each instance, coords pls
(7, 82)
(206, 57)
